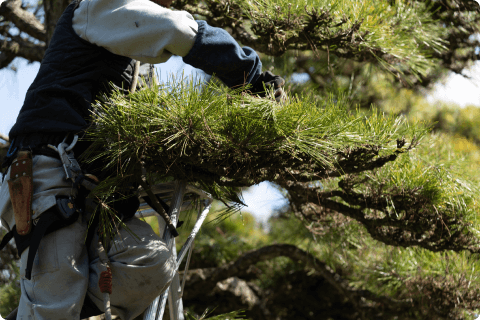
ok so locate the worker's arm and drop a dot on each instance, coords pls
(145, 31)
(216, 52)
(138, 29)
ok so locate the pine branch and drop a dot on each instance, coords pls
(252, 141)
(222, 140)
(201, 281)
(198, 10)
(395, 217)
(3, 146)
(20, 47)
(4, 137)
(53, 10)
(6, 58)
(25, 21)
(273, 28)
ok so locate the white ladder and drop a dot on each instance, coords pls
(181, 195)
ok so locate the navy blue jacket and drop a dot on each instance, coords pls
(72, 73)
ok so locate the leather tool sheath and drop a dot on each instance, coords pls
(21, 191)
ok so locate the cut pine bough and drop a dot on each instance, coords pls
(221, 138)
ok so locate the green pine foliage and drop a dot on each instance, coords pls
(429, 197)
(223, 139)
(399, 35)
(389, 208)
(384, 29)
(10, 293)
(415, 279)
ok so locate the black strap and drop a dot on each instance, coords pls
(12, 315)
(6, 239)
(60, 216)
(31, 240)
(51, 220)
(46, 220)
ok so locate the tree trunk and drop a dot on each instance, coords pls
(53, 11)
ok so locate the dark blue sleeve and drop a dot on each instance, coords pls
(216, 52)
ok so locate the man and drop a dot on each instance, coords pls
(95, 44)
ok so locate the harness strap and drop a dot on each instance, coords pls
(40, 229)
(51, 220)
(31, 240)
(12, 315)
(6, 239)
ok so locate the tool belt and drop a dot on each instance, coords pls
(66, 211)
(28, 234)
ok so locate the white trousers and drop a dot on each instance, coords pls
(65, 270)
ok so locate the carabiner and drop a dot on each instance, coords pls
(9, 154)
(74, 142)
(67, 149)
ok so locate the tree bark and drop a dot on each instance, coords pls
(53, 11)
(4, 145)
(20, 47)
(12, 46)
(25, 21)
(201, 283)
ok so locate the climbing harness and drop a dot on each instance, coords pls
(64, 213)
(59, 216)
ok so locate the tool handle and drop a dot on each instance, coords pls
(102, 256)
(158, 207)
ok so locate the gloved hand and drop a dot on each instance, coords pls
(267, 81)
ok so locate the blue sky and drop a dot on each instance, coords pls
(261, 199)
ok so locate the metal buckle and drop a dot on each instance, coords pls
(70, 164)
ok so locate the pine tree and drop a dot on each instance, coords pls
(392, 207)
